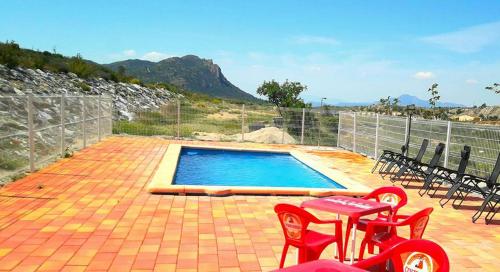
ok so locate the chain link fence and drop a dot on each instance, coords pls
(35, 130)
(370, 134)
(224, 121)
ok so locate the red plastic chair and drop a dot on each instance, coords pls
(392, 195)
(294, 221)
(384, 240)
(410, 255)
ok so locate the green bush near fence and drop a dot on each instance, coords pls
(11, 163)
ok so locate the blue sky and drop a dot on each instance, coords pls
(342, 50)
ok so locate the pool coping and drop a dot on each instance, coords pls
(162, 181)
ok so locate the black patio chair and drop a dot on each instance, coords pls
(473, 184)
(425, 171)
(446, 175)
(388, 156)
(491, 201)
(402, 162)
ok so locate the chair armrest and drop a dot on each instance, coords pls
(338, 225)
(474, 180)
(397, 217)
(445, 172)
(379, 259)
(468, 177)
(334, 221)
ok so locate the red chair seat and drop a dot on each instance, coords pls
(362, 223)
(316, 243)
(385, 240)
(318, 240)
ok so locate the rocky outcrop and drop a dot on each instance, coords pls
(126, 97)
(189, 72)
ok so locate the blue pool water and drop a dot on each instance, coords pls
(198, 166)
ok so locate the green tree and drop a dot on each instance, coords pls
(395, 102)
(285, 95)
(80, 67)
(386, 104)
(10, 54)
(495, 88)
(434, 97)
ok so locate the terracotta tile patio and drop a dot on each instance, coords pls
(92, 213)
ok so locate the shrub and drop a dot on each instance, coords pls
(83, 86)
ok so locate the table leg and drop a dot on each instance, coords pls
(353, 242)
(335, 247)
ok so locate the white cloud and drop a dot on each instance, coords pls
(155, 56)
(471, 81)
(315, 40)
(467, 40)
(129, 53)
(423, 75)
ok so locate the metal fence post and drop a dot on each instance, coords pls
(376, 136)
(31, 134)
(406, 133)
(302, 130)
(243, 122)
(354, 133)
(283, 128)
(447, 148)
(84, 123)
(178, 118)
(99, 118)
(110, 116)
(63, 124)
(319, 127)
(338, 130)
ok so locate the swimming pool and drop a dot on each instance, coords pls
(219, 167)
(227, 170)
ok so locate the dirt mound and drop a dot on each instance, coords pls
(268, 135)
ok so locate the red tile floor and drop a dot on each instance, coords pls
(92, 212)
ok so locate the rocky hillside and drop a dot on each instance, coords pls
(189, 72)
(20, 81)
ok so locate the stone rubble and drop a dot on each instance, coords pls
(47, 89)
(126, 97)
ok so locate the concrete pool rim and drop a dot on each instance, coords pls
(163, 179)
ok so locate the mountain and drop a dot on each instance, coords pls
(404, 100)
(189, 72)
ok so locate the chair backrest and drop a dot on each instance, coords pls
(417, 222)
(492, 179)
(437, 155)
(422, 149)
(410, 256)
(294, 221)
(464, 160)
(392, 195)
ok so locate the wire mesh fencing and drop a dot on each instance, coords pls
(235, 122)
(370, 134)
(38, 129)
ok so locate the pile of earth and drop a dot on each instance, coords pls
(268, 135)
